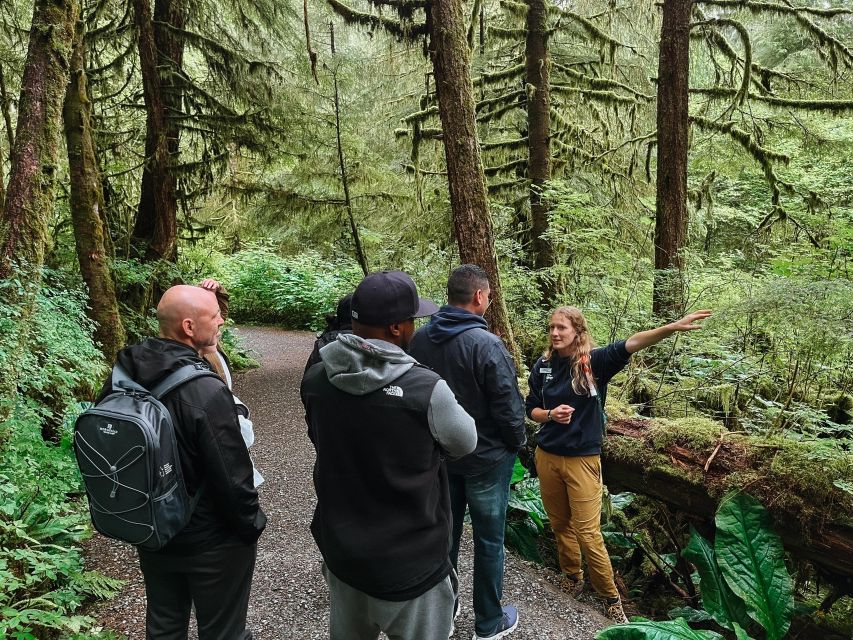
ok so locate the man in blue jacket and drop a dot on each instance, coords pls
(458, 346)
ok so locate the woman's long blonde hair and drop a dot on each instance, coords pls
(578, 351)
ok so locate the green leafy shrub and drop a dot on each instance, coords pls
(294, 292)
(43, 519)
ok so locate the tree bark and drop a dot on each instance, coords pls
(537, 77)
(87, 203)
(468, 200)
(30, 197)
(160, 56)
(829, 545)
(672, 127)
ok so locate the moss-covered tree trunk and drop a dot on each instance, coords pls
(537, 77)
(672, 127)
(87, 205)
(30, 196)
(471, 221)
(160, 59)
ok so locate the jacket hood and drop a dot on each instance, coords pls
(153, 359)
(360, 366)
(450, 321)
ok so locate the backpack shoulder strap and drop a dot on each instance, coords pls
(122, 381)
(177, 378)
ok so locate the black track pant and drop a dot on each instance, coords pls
(217, 582)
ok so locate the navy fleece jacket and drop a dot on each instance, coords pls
(474, 362)
(551, 385)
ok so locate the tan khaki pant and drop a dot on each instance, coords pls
(571, 494)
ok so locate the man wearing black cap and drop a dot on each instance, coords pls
(381, 425)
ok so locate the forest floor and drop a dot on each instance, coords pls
(289, 597)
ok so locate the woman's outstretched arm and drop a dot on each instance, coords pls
(643, 339)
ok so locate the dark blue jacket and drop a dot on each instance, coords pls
(458, 346)
(551, 385)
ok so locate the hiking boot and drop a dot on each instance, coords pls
(506, 626)
(573, 585)
(613, 610)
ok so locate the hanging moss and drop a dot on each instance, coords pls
(505, 168)
(402, 29)
(592, 30)
(507, 34)
(515, 9)
(499, 112)
(417, 170)
(421, 115)
(507, 185)
(774, 7)
(833, 106)
(510, 73)
(606, 97)
(600, 83)
(518, 143)
(743, 92)
(506, 98)
(431, 133)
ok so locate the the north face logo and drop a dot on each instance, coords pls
(393, 391)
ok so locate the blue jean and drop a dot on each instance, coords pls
(486, 495)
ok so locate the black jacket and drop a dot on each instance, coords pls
(382, 521)
(458, 346)
(211, 449)
(551, 385)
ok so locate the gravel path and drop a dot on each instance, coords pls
(289, 597)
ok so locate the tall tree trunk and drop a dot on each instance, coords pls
(468, 200)
(537, 75)
(672, 126)
(30, 197)
(359, 250)
(160, 56)
(87, 205)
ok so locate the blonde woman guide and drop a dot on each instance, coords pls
(568, 385)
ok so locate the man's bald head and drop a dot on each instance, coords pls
(190, 315)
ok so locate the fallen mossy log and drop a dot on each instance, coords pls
(691, 464)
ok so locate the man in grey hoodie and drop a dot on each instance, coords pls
(381, 425)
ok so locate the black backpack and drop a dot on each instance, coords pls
(128, 457)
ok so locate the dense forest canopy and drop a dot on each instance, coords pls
(636, 159)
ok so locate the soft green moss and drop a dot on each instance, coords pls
(807, 480)
(699, 435)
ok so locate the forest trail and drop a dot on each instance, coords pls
(289, 597)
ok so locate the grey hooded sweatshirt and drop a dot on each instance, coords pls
(381, 425)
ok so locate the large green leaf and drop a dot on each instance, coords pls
(651, 630)
(752, 561)
(523, 536)
(717, 598)
(518, 472)
(740, 634)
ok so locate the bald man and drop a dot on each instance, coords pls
(210, 563)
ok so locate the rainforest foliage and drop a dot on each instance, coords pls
(587, 153)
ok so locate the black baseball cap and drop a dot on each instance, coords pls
(388, 297)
